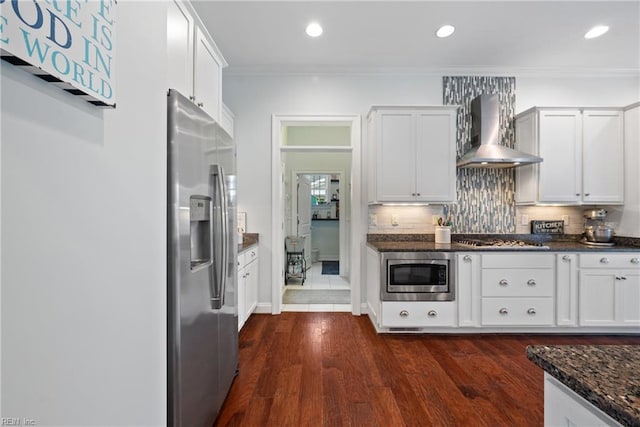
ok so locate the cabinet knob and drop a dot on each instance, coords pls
(404, 313)
(604, 260)
(468, 258)
(417, 194)
(621, 278)
(586, 194)
(503, 282)
(531, 282)
(192, 97)
(531, 311)
(577, 194)
(200, 104)
(253, 253)
(504, 311)
(432, 313)
(566, 258)
(635, 260)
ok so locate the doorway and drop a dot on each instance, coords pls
(316, 221)
(323, 153)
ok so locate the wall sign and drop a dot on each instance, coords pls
(547, 227)
(69, 43)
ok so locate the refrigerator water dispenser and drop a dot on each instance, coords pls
(200, 219)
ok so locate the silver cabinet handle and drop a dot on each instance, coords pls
(621, 278)
(531, 311)
(531, 282)
(566, 258)
(253, 253)
(468, 258)
(503, 282)
(432, 313)
(604, 260)
(504, 311)
(192, 97)
(635, 260)
(404, 313)
(200, 104)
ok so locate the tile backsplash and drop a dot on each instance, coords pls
(486, 200)
(418, 219)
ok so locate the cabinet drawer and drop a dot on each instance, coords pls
(520, 260)
(250, 254)
(517, 311)
(609, 260)
(247, 256)
(418, 314)
(517, 283)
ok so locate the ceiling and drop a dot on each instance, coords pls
(383, 36)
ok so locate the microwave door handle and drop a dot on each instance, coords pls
(217, 239)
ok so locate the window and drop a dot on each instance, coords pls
(319, 188)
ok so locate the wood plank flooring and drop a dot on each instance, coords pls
(332, 369)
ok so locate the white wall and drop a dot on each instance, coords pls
(254, 98)
(83, 241)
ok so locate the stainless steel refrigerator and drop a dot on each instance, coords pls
(201, 264)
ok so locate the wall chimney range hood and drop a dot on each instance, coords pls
(486, 151)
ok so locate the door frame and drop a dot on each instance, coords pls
(356, 240)
(342, 229)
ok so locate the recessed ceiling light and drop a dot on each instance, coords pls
(314, 29)
(445, 31)
(596, 31)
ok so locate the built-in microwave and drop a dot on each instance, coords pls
(417, 276)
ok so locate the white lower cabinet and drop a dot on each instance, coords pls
(468, 277)
(566, 289)
(591, 291)
(518, 289)
(517, 311)
(609, 290)
(564, 407)
(247, 284)
(418, 314)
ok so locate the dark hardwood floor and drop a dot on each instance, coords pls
(332, 369)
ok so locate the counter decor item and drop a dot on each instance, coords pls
(443, 234)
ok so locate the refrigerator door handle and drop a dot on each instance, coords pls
(218, 238)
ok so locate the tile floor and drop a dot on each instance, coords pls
(317, 280)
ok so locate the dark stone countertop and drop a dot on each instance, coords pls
(426, 243)
(248, 240)
(608, 376)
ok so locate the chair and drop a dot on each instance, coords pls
(296, 265)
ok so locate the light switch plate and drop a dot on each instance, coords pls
(394, 220)
(565, 218)
(524, 220)
(373, 220)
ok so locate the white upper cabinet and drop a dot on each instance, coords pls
(412, 154)
(207, 76)
(180, 30)
(194, 62)
(583, 156)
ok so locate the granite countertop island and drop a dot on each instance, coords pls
(607, 376)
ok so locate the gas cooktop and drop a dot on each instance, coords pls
(502, 244)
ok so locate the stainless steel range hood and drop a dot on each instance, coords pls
(486, 151)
